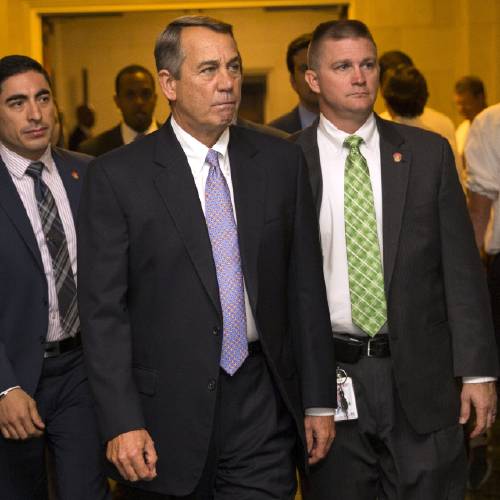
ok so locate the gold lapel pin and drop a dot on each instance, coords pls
(75, 175)
(397, 157)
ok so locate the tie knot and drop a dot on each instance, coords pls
(212, 158)
(35, 169)
(353, 142)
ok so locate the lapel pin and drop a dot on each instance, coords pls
(397, 157)
(75, 175)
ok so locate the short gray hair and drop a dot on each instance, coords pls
(168, 53)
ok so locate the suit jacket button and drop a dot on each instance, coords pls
(212, 384)
(45, 302)
(216, 330)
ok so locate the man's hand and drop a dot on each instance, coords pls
(19, 418)
(134, 455)
(483, 397)
(320, 432)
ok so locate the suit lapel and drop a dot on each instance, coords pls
(249, 186)
(175, 184)
(70, 178)
(14, 208)
(309, 142)
(395, 164)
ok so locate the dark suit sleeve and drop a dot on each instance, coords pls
(313, 343)
(103, 289)
(468, 304)
(7, 376)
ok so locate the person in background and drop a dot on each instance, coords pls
(482, 155)
(136, 99)
(307, 110)
(85, 117)
(46, 410)
(405, 93)
(408, 301)
(432, 119)
(470, 100)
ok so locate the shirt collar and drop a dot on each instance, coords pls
(129, 134)
(306, 117)
(195, 151)
(337, 136)
(17, 164)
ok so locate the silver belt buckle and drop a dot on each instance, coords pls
(369, 348)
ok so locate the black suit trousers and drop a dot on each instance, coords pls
(252, 449)
(380, 456)
(70, 440)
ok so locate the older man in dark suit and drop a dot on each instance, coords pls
(205, 321)
(45, 402)
(407, 296)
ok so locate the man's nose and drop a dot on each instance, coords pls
(34, 111)
(359, 77)
(226, 80)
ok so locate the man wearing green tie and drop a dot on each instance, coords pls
(407, 297)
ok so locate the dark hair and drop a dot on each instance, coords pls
(405, 91)
(296, 45)
(393, 59)
(16, 64)
(168, 54)
(471, 84)
(336, 30)
(129, 70)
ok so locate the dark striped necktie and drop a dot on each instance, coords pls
(55, 239)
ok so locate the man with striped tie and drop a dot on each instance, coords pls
(204, 314)
(45, 405)
(407, 296)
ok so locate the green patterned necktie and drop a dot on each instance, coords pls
(366, 279)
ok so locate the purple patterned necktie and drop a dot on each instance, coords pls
(226, 252)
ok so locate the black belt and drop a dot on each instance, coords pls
(56, 348)
(254, 348)
(350, 350)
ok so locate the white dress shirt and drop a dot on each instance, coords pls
(482, 152)
(196, 154)
(17, 165)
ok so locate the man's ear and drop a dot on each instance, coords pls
(168, 84)
(311, 78)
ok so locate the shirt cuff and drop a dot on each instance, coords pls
(320, 412)
(478, 380)
(4, 393)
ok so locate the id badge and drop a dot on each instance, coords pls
(346, 399)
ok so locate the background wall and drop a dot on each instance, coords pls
(446, 38)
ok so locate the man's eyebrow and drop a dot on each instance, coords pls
(210, 62)
(42, 92)
(16, 97)
(24, 97)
